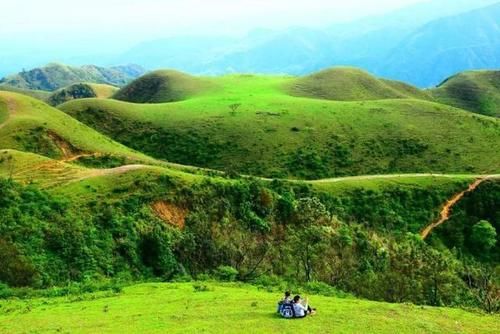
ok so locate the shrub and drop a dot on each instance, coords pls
(226, 273)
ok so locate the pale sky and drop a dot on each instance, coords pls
(158, 18)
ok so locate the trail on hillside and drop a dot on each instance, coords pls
(446, 210)
(11, 109)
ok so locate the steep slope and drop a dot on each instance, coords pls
(251, 125)
(351, 84)
(477, 91)
(81, 91)
(55, 76)
(467, 41)
(163, 86)
(32, 126)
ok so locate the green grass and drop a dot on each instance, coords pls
(477, 91)
(81, 91)
(273, 134)
(339, 186)
(226, 308)
(37, 94)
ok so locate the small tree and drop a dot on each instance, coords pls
(484, 235)
(234, 107)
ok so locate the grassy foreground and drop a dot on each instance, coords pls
(225, 308)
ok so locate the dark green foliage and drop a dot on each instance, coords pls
(77, 91)
(105, 161)
(243, 229)
(38, 140)
(484, 236)
(226, 273)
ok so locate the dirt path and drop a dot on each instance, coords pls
(11, 110)
(446, 210)
(110, 171)
(384, 176)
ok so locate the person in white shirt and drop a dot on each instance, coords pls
(301, 310)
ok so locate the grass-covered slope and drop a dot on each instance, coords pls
(37, 94)
(81, 91)
(227, 308)
(477, 91)
(163, 86)
(351, 84)
(55, 76)
(27, 124)
(251, 125)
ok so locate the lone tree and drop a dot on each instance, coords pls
(234, 107)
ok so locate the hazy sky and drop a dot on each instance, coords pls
(157, 18)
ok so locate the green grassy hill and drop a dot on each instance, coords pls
(55, 76)
(163, 86)
(32, 126)
(351, 84)
(81, 91)
(477, 91)
(227, 308)
(37, 94)
(251, 125)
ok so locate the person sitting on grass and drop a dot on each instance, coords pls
(286, 299)
(300, 309)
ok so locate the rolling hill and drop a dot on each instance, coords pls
(37, 94)
(163, 86)
(250, 124)
(477, 91)
(351, 84)
(81, 91)
(55, 76)
(30, 125)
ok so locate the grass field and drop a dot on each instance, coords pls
(251, 125)
(225, 308)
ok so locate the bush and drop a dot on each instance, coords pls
(198, 287)
(226, 273)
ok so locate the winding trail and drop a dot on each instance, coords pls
(446, 211)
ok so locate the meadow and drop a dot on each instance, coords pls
(203, 307)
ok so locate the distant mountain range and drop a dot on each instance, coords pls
(55, 76)
(422, 44)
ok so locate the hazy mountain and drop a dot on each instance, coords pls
(55, 76)
(463, 42)
(406, 37)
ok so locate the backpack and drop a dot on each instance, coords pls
(287, 311)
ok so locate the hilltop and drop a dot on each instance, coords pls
(351, 84)
(251, 124)
(27, 124)
(163, 86)
(477, 91)
(55, 76)
(81, 91)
